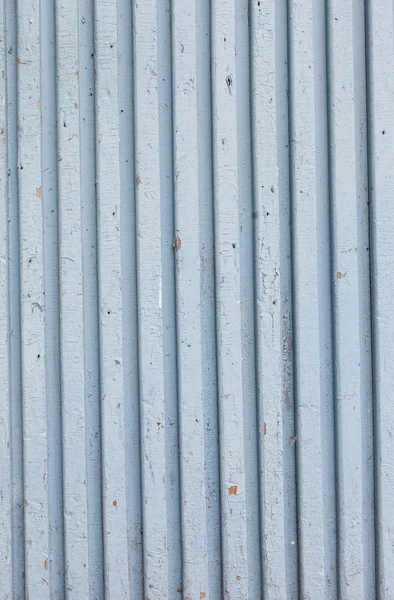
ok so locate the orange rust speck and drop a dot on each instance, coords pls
(158, 423)
(138, 180)
(84, 481)
(117, 362)
(202, 595)
(233, 490)
(3, 140)
(45, 487)
(188, 598)
(76, 73)
(29, 542)
(8, 444)
(238, 578)
(2, 131)
(99, 141)
(39, 192)
(177, 243)
(19, 130)
(339, 275)
(2, 74)
(179, 590)
(115, 503)
(46, 564)
(38, 104)
(18, 62)
(151, 585)
(154, 73)
(26, 503)
(265, 428)
(70, 589)
(76, 105)
(95, 76)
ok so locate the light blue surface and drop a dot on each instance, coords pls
(196, 298)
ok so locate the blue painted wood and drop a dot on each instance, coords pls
(196, 299)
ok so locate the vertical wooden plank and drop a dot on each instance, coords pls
(6, 566)
(14, 325)
(351, 317)
(166, 163)
(76, 540)
(51, 282)
(36, 476)
(312, 301)
(286, 276)
(154, 426)
(247, 292)
(114, 460)
(129, 292)
(237, 538)
(279, 549)
(188, 278)
(380, 18)
(87, 174)
(207, 295)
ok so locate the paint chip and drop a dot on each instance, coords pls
(39, 192)
(117, 362)
(115, 503)
(265, 428)
(138, 180)
(238, 578)
(46, 564)
(177, 243)
(203, 595)
(339, 275)
(38, 104)
(233, 490)
(26, 503)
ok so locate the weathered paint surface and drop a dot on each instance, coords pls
(196, 299)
